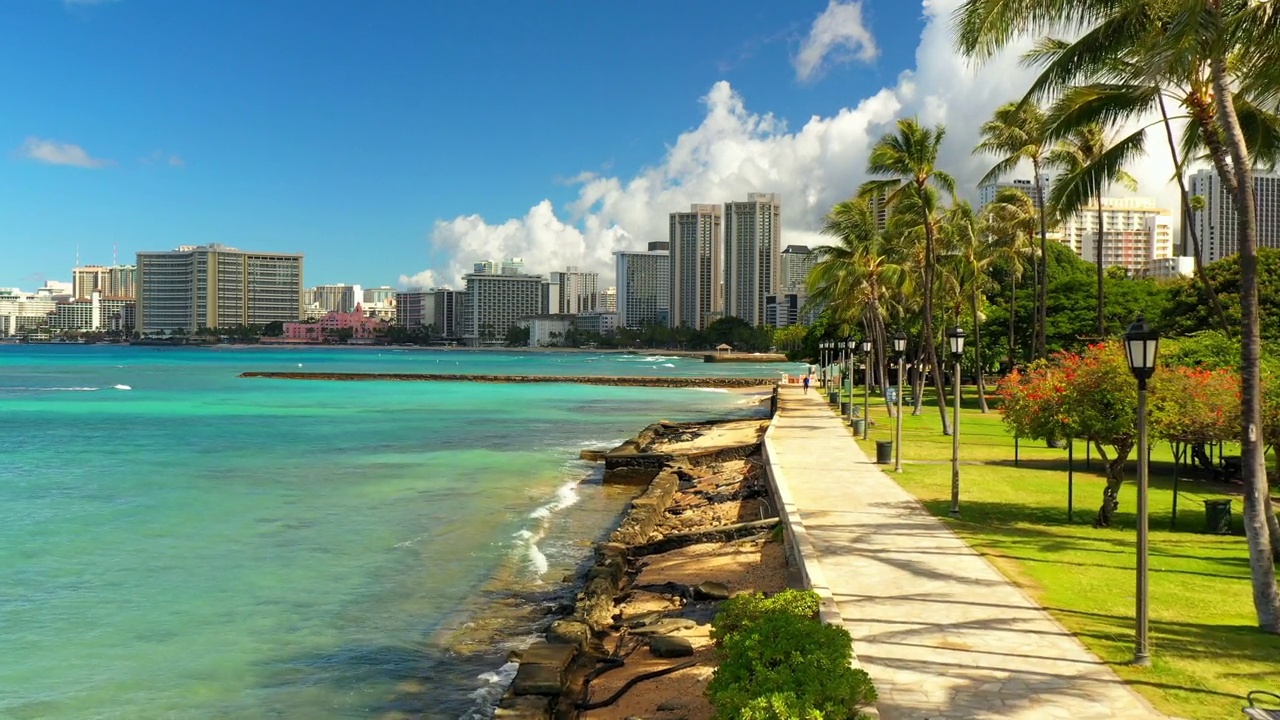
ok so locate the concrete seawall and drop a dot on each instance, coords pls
(667, 382)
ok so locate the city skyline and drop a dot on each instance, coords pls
(791, 102)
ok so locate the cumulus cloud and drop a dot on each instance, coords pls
(55, 153)
(838, 36)
(735, 150)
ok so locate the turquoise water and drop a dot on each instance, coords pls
(179, 543)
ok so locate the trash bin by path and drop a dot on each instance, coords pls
(833, 397)
(884, 451)
(859, 426)
(844, 408)
(1217, 517)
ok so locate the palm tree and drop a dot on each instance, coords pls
(971, 253)
(859, 278)
(1018, 132)
(1011, 220)
(1235, 41)
(1090, 162)
(910, 160)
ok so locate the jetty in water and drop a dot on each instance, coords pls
(611, 381)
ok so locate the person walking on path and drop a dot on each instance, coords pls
(806, 384)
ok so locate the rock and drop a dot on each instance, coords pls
(592, 455)
(524, 708)
(570, 632)
(711, 590)
(538, 680)
(643, 619)
(664, 626)
(670, 646)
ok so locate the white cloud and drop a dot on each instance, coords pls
(56, 153)
(734, 151)
(838, 36)
(176, 161)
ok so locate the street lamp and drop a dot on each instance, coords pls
(955, 338)
(900, 349)
(825, 347)
(849, 346)
(865, 346)
(1140, 346)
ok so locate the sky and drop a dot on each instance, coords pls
(398, 142)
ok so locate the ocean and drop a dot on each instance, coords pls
(177, 542)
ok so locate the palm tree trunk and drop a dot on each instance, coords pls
(1191, 228)
(977, 353)
(1013, 306)
(1042, 304)
(1266, 596)
(1102, 322)
(930, 346)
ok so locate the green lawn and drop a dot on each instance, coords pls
(1207, 651)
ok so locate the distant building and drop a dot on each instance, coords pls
(697, 271)
(644, 287)
(91, 314)
(216, 286)
(335, 325)
(597, 323)
(1216, 224)
(786, 310)
(752, 254)
(493, 304)
(987, 191)
(1135, 233)
(448, 313)
(117, 281)
(577, 290)
(607, 300)
(546, 330)
(552, 300)
(415, 309)
(21, 312)
(382, 294)
(797, 261)
(511, 266)
(1172, 268)
(339, 297)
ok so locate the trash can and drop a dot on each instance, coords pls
(859, 426)
(844, 407)
(1217, 517)
(884, 451)
(833, 397)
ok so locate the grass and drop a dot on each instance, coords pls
(1207, 650)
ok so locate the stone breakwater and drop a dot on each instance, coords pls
(661, 382)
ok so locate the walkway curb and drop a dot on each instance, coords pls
(801, 552)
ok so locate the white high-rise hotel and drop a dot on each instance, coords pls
(752, 254)
(644, 286)
(1216, 224)
(697, 274)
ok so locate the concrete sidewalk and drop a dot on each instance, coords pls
(941, 632)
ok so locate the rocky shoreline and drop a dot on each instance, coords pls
(636, 642)
(612, 381)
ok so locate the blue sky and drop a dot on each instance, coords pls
(398, 141)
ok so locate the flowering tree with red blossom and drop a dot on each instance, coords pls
(1090, 395)
(1195, 406)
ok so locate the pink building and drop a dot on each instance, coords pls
(329, 327)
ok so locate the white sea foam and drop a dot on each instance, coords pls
(714, 390)
(667, 365)
(493, 685)
(51, 389)
(122, 387)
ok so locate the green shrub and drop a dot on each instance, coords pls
(742, 610)
(778, 662)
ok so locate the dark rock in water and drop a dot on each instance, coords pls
(592, 455)
(570, 632)
(664, 626)
(711, 590)
(670, 646)
(542, 669)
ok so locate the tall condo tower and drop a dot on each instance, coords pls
(752, 254)
(644, 286)
(697, 293)
(1216, 224)
(216, 286)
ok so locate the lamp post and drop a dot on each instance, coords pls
(899, 348)
(849, 346)
(1140, 346)
(955, 338)
(866, 386)
(826, 345)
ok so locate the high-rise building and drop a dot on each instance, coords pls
(448, 312)
(644, 287)
(787, 309)
(552, 302)
(339, 297)
(987, 191)
(510, 266)
(1126, 223)
(607, 300)
(216, 286)
(493, 304)
(697, 273)
(379, 295)
(117, 281)
(752, 254)
(1136, 249)
(1216, 224)
(577, 291)
(415, 309)
(797, 261)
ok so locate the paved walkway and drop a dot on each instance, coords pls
(943, 635)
